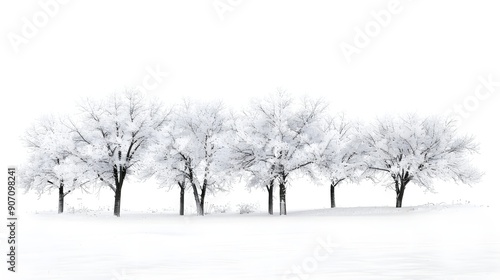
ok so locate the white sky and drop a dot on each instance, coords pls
(427, 59)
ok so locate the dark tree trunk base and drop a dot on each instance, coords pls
(282, 199)
(400, 193)
(332, 195)
(118, 198)
(181, 209)
(61, 200)
(399, 201)
(270, 190)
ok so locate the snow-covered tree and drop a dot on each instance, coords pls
(192, 151)
(252, 153)
(111, 135)
(164, 162)
(411, 149)
(277, 137)
(340, 154)
(50, 164)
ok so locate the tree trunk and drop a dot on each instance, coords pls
(333, 184)
(181, 209)
(199, 206)
(399, 201)
(270, 189)
(61, 199)
(400, 194)
(199, 200)
(282, 200)
(283, 195)
(119, 174)
(200, 209)
(202, 198)
(332, 195)
(118, 199)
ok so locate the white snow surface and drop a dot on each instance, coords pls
(423, 242)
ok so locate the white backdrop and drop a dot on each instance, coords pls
(367, 58)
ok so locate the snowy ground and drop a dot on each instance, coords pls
(426, 242)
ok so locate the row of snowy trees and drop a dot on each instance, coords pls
(204, 147)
